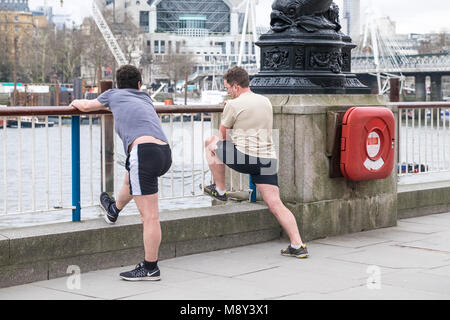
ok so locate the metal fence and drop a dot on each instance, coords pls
(59, 161)
(424, 139)
(54, 158)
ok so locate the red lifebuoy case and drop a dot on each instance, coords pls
(368, 143)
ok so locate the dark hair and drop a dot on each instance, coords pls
(127, 77)
(237, 75)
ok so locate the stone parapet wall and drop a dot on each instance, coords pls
(326, 206)
(421, 202)
(45, 252)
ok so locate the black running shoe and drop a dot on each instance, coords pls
(112, 213)
(212, 192)
(140, 273)
(301, 252)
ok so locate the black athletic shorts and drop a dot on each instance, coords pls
(262, 170)
(145, 163)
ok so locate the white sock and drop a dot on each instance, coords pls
(295, 247)
(220, 192)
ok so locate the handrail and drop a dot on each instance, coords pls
(416, 105)
(75, 115)
(62, 111)
(422, 134)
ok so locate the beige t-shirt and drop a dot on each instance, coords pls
(250, 118)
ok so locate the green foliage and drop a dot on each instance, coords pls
(41, 54)
(6, 71)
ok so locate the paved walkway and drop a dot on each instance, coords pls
(410, 261)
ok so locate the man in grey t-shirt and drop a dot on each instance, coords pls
(148, 157)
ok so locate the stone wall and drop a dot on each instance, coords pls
(45, 252)
(421, 201)
(326, 206)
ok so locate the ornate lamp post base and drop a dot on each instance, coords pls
(305, 54)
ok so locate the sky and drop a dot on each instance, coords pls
(411, 16)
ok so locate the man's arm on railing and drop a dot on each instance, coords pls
(88, 105)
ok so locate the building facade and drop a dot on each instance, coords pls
(208, 30)
(17, 21)
(14, 5)
(16, 24)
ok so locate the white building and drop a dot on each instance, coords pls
(210, 30)
(14, 5)
(62, 21)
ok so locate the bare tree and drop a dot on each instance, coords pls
(39, 59)
(175, 65)
(435, 43)
(95, 52)
(128, 37)
(68, 54)
(5, 55)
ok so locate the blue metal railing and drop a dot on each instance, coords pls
(76, 156)
(253, 188)
(76, 170)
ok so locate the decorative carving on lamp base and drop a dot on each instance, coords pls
(305, 51)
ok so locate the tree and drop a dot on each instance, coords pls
(95, 53)
(40, 60)
(5, 56)
(68, 54)
(174, 66)
(128, 37)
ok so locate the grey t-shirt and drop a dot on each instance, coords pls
(134, 115)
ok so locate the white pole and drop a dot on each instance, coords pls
(244, 31)
(214, 85)
(33, 161)
(171, 146)
(19, 196)
(255, 35)
(60, 163)
(203, 150)
(47, 163)
(103, 154)
(91, 160)
(376, 54)
(366, 29)
(5, 169)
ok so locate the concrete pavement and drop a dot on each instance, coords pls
(409, 261)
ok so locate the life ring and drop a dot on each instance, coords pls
(368, 143)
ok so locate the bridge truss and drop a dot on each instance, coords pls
(382, 54)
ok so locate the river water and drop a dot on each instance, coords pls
(429, 146)
(21, 196)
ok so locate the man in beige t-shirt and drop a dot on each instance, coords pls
(251, 117)
(245, 144)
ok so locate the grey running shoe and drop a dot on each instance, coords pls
(301, 252)
(112, 213)
(212, 192)
(140, 273)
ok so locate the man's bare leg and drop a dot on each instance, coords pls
(124, 196)
(271, 196)
(215, 165)
(148, 207)
(113, 207)
(148, 269)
